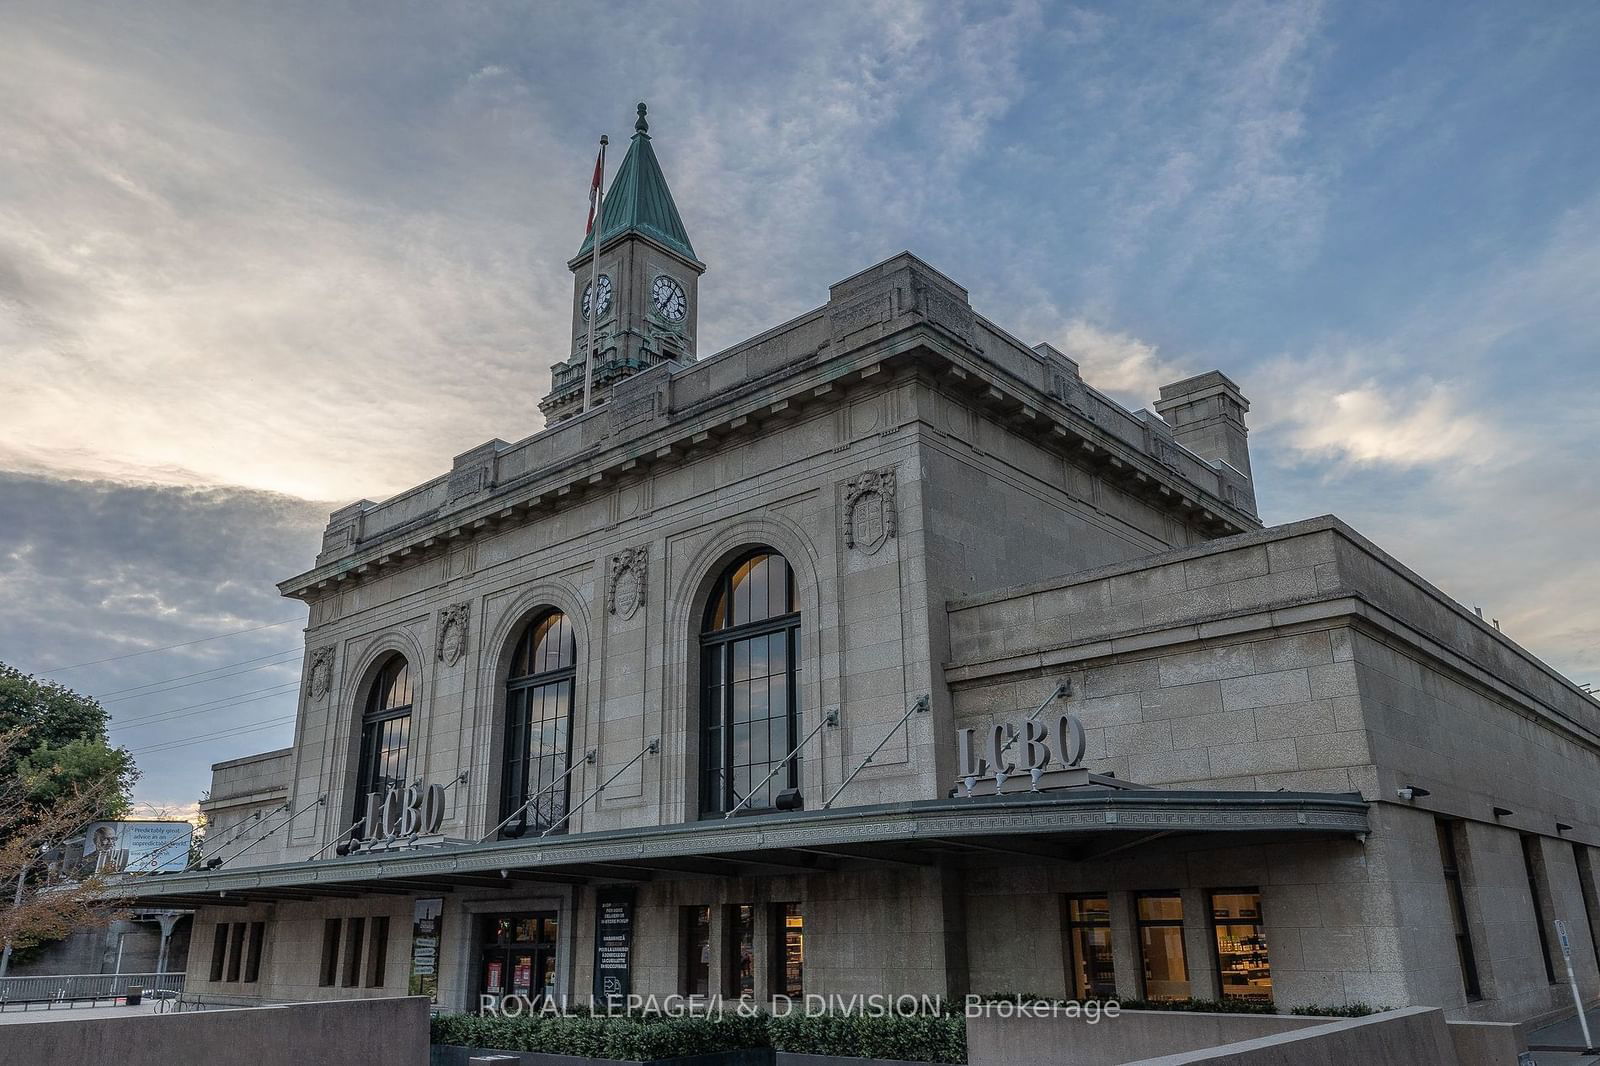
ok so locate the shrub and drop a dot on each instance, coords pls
(637, 1036)
(912, 1038)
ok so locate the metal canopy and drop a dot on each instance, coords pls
(1067, 826)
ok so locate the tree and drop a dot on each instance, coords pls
(58, 773)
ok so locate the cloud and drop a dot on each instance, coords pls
(1118, 363)
(91, 570)
(1322, 415)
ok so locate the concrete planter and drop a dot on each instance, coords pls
(796, 1058)
(454, 1055)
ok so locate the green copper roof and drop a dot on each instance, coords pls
(639, 200)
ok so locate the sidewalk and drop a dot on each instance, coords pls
(1562, 1043)
(61, 1013)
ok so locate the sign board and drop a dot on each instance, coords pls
(138, 847)
(400, 813)
(1566, 944)
(998, 754)
(613, 943)
(427, 915)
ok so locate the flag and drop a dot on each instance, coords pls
(594, 186)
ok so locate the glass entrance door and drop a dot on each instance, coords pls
(519, 956)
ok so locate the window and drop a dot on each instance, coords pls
(330, 952)
(235, 949)
(219, 950)
(1458, 907)
(1242, 968)
(385, 734)
(696, 951)
(749, 718)
(741, 952)
(252, 966)
(354, 938)
(230, 958)
(378, 953)
(1093, 974)
(1591, 909)
(790, 936)
(538, 725)
(1530, 863)
(1160, 920)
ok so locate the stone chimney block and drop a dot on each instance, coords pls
(1206, 413)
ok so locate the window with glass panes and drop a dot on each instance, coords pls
(1089, 961)
(1159, 916)
(385, 734)
(538, 725)
(1242, 968)
(749, 715)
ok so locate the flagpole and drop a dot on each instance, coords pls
(595, 229)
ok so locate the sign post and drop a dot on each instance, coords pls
(426, 916)
(1572, 979)
(613, 945)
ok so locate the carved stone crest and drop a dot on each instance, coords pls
(628, 570)
(453, 633)
(319, 678)
(869, 510)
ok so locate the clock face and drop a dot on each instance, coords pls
(669, 299)
(605, 296)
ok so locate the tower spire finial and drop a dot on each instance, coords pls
(642, 126)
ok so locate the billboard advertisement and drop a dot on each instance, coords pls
(137, 847)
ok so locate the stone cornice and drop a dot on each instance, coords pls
(875, 337)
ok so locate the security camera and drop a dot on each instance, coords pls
(1411, 792)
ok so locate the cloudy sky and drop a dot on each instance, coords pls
(259, 260)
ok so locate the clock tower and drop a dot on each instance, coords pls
(645, 302)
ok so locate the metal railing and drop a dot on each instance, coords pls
(66, 989)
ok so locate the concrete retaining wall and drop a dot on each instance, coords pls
(1488, 1043)
(1413, 1036)
(1061, 1041)
(391, 1031)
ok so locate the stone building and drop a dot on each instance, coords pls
(737, 682)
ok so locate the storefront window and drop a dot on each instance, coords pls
(1166, 971)
(697, 951)
(1242, 968)
(742, 951)
(519, 956)
(791, 937)
(1089, 948)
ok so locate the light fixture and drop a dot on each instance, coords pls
(1411, 792)
(1501, 812)
(1562, 827)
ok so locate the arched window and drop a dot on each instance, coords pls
(538, 724)
(748, 719)
(385, 733)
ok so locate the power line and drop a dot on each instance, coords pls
(224, 735)
(122, 695)
(206, 708)
(169, 647)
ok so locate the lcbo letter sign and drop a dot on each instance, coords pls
(998, 758)
(399, 813)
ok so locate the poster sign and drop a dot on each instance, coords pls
(137, 847)
(613, 943)
(427, 915)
